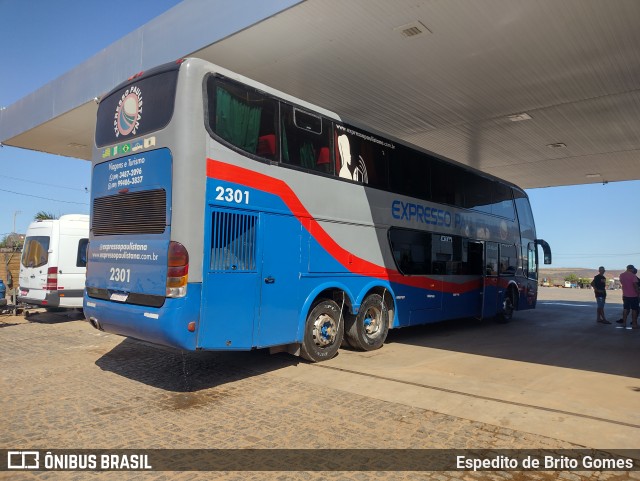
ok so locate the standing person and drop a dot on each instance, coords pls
(599, 284)
(635, 271)
(629, 283)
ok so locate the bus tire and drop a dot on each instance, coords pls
(507, 308)
(323, 332)
(368, 330)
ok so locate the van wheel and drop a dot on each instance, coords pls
(368, 330)
(323, 332)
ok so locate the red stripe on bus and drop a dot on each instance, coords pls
(255, 180)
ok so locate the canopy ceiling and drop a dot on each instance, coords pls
(538, 92)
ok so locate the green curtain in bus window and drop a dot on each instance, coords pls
(237, 122)
(307, 155)
(285, 145)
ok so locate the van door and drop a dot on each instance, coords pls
(33, 268)
(72, 268)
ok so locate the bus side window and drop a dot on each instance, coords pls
(447, 183)
(491, 261)
(450, 255)
(305, 140)
(502, 201)
(409, 173)
(363, 158)
(411, 250)
(245, 118)
(508, 260)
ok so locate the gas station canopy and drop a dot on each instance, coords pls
(540, 93)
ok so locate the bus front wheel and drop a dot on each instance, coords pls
(507, 308)
(323, 333)
(368, 330)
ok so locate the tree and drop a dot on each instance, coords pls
(584, 282)
(42, 215)
(12, 241)
(572, 278)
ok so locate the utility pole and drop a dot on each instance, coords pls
(15, 212)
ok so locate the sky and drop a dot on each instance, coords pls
(586, 225)
(39, 41)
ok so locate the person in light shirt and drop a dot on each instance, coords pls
(629, 283)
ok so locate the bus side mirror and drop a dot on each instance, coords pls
(546, 250)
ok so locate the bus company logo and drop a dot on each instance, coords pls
(128, 112)
(23, 460)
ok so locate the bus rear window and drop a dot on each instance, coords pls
(137, 108)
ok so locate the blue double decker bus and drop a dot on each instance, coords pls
(227, 215)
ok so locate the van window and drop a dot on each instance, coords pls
(36, 251)
(81, 260)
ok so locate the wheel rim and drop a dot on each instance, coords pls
(507, 307)
(372, 322)
(325, 330)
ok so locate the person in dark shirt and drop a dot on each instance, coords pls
(599, 284)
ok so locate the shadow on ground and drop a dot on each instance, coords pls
(187, 371)
(563, 334)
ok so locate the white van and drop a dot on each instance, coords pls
(53, 266)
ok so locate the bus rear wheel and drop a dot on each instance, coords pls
(368, 330)
(323, 333)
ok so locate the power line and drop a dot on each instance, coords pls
(43, 183)
(45, 198)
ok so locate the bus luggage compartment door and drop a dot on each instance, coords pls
(231, 279)
(250, 280)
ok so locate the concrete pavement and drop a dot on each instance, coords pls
(551, 379)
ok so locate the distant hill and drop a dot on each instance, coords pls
(556, 275)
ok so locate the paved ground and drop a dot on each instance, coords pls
(551, 379)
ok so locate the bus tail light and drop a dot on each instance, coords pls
(178, 270)
(52, 279)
